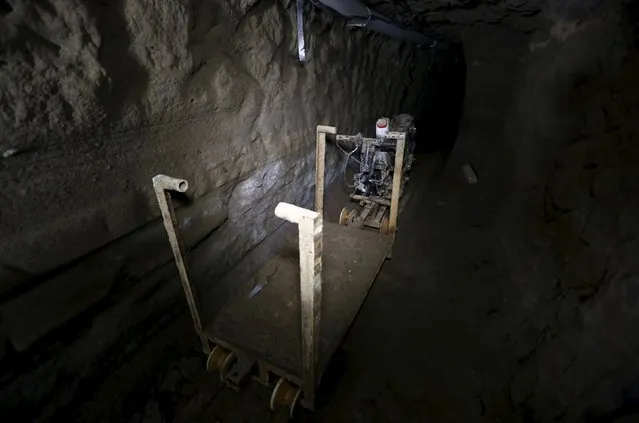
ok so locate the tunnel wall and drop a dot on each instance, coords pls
(579, 165)
(96, 98)
(550, 126)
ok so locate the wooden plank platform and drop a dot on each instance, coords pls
(266, 324)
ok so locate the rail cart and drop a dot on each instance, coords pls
(375, 207)
(305, 298)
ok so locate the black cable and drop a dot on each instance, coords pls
(438, 41)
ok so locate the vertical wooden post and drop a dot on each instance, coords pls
(310, 245)
(310, 239)
(397, 179)
(162, 185)
(320, 158)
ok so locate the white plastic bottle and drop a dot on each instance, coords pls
(381, 127)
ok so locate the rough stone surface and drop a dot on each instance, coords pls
(518, 296)
(440, 15)
(550, 125)
(96, 97)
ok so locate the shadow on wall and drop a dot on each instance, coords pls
(438, 124)
(128, 80)
(576, 141)
(5, 8)
(632, 11)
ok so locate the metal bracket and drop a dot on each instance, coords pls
(301, 49)
(240, 371)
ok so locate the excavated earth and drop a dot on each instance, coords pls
(515, 299)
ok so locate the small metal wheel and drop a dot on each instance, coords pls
(285, 394)
(347, 216)
(384, 227)
(220, 360)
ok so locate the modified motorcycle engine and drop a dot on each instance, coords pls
(377, 158)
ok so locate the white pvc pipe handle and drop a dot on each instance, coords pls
(293, 213)
(165, 182)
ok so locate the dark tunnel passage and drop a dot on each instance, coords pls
(511, 293)
(439, 117)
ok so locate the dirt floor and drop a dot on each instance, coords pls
(439, 337)
(416, 351)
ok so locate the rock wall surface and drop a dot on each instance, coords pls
(96, 97)
(550, 126)
(576, 187)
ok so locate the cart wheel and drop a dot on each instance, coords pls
(346, 216)
(384, 226)
(285, 394)
(220, 360)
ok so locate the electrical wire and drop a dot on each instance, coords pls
(348, 157)
(373, 16)
(370, 17)
(365, 24)
(349, 154)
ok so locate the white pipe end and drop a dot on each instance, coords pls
(165, 182)
(293, 213)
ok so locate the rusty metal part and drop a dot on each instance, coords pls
(374, 199)
(240, 371)
(220, 360)
(285, 394)
(263, 374)
(347, 216)
(384, 226)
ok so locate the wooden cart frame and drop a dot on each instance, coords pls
(311, 230)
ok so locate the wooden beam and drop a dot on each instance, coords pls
(374, 199)
(320, 158)
(163, 185)
(397, 178)
(310, 245)
(351, 138)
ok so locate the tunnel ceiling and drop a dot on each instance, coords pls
(433, 15)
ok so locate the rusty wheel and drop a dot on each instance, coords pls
(346, 216)
(220, 360)
(285, 394)
(384, 227)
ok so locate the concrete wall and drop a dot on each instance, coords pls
(96, 97)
